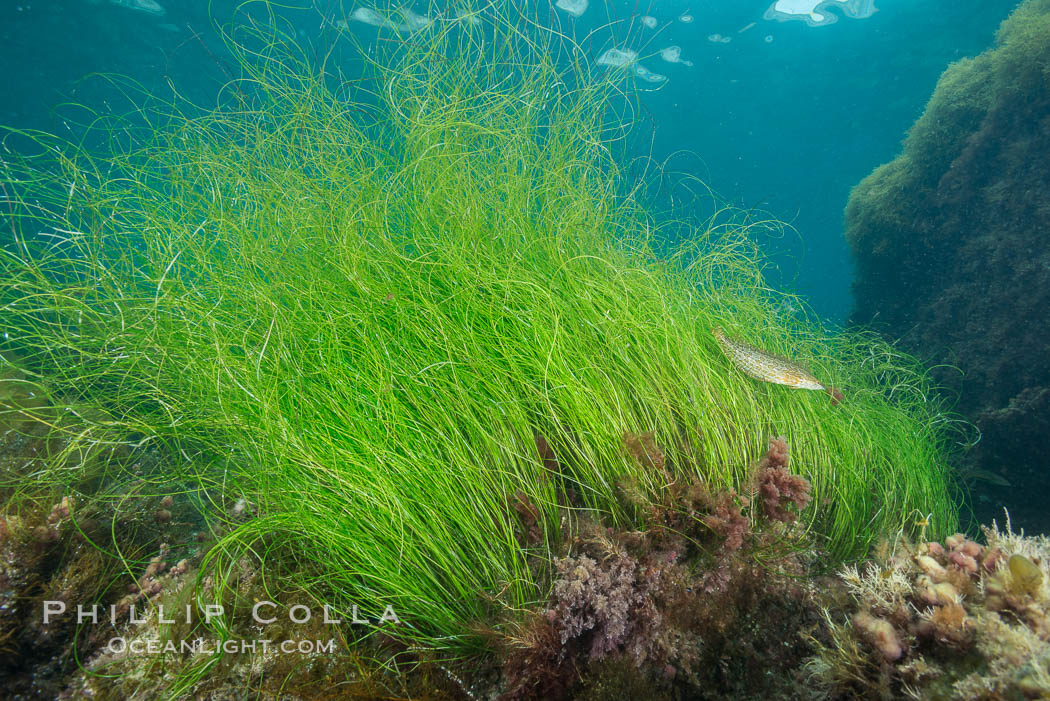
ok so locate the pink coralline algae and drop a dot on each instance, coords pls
(780, 488)
(880, 633)
(728, 520)
(611, 603)
(955, 620)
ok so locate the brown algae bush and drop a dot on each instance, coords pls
(377, 320)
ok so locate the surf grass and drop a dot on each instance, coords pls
(357, 315)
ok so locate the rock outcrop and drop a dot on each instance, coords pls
(953, 257)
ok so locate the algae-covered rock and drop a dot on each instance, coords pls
(989, 640)
(952, 255)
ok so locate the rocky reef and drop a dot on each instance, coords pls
(712, 589)
(714, 586)
(951, 620)
(62, 548)
(714, 593)
(952, 257)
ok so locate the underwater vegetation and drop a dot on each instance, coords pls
(951, 620)
(70, 549)
(952, 256)
(412, 341)
(688, 599)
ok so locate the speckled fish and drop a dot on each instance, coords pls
(768, 367)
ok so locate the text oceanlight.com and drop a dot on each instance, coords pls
(153, 646)
(262, 613)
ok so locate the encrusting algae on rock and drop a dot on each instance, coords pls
(769, 367)
(952, 620)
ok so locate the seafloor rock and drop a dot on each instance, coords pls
(952, 621)
(950, 240)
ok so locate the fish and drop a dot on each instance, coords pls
(768, 367)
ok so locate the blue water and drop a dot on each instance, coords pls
(786, 125)
(790, 125)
